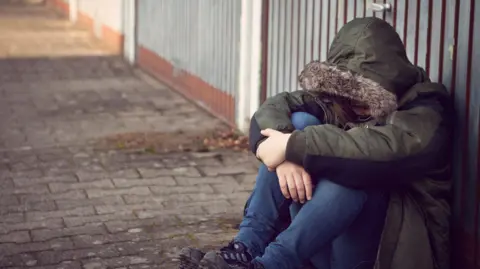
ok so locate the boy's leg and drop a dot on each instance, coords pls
(300, 120)
(360, 240)
(357, 247)
(263, 216)
(331, 211)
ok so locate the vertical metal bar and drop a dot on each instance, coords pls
(312, 28)
(308, 30)
(443, 41)
(341, 5)
(229, 61)
(297, 20)
(394, 15)
(301, 37)
(73, 12)
(265, 48)
(328, 27)
(469, 165)
(402, 15)
(288, 48)
(423, 34)
(276, 44)
(352, 9)
(411, 28)
(294, 9)
(462, 85)
(435, 41)
(236, 17)
(223, 44)
(332, 22)
(324, 29)
(271, 46)
(317, 27)
(281, 58)
(417, 28)
(360, 11)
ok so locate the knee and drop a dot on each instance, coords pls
(300, 120)
(336, 191)
(265, 176)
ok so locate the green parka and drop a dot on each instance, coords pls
(405, 148)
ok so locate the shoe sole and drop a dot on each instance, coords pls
(186, 262)
(207, 264)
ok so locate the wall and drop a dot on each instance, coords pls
(193, 46)
(104, 18)
(441, 36)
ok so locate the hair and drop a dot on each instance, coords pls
(344, 109)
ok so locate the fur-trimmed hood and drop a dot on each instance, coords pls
(367, 64)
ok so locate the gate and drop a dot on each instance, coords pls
(443, 37)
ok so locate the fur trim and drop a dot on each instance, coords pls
(320, 77)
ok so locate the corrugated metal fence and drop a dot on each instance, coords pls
(197, 42)
(296, 32)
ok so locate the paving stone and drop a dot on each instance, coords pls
(12, 218)
(37, 189)
(43, 180)
(140, 199)
(79, 211)
(7, 200)
(67, 201)
(133, 190)
(57, 244)
(63, 265)
(110, 209)
(97, 184)
(22, 260)
(15, 237)
(58, 256)
(78, 221)
(242, 168)
(68, 195)
(178, 171)
(31, 225)
(181, 189)
(106, 200)
(162, 181)
(28, 206)
(48, 234)
(189, 181)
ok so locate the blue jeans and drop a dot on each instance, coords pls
(339, 228)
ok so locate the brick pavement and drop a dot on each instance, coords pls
(65, 203)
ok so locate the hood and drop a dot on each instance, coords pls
(367, 63)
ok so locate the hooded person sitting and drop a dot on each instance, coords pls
(358, 159)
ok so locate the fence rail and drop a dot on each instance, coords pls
(441, 36)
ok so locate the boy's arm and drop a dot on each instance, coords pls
(415, 141)
(275, 113)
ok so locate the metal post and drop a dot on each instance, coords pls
(73, 12)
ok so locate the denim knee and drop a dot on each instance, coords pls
(300, 120)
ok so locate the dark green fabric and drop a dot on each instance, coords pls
(371, 47)
(413, 144)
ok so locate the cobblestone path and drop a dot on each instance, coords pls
(67, 203)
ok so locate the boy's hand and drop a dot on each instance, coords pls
(294, 182)
(272, 150)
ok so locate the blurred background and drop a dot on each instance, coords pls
(111, 110)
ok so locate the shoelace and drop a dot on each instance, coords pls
(235, 253)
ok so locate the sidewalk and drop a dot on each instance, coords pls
(75, 191)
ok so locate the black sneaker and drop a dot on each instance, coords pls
(190, 258)
(214, 260)
(235, 255)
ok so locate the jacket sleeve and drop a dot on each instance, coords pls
(415, 141)
(275, 113)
